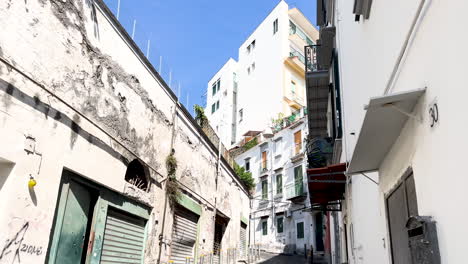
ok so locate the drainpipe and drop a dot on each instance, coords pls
(163, 224)
(409, 38)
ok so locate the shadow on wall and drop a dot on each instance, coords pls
(58, 116)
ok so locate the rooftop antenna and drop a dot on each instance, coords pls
(178, 93)
(170, 77)
(133, 31)
(148, 47)
(118, 9)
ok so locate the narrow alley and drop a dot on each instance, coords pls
(229, 132)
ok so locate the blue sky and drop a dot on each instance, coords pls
(195, 37)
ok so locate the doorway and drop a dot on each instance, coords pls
(401, 204)
(319, 232)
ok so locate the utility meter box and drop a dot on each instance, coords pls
(423, 242)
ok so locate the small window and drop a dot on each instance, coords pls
(137, 175)
(253, 44)
(253, 66)
(265, 227)
(213, 87)
(248, 70)
(293, 86)
(241, 115)
(218, 85)
(300, 230)
(278, 146)
(248, 49)
(265, 189)
(275, 26)
(213, 108)
(217, 105)
(279, 184)
(247, 164)
(279, 224)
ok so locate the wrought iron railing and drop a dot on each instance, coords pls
(294, 190)
(311, 62)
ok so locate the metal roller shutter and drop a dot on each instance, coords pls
(243, 240)
(184, 235)
(123, 238)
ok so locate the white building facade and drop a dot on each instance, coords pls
(400, 171)
(269, 76)
(281, 220)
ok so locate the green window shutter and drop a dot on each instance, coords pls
(214, 88)
(279, 224)
(299, 188)
(279, 184)
(213, 108)
(300, 230)
(265, 189)
(265, 227)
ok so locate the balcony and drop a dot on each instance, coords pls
(297, 152)
(317, 89)
(296, 61)
(263, 168)
(295, 192)
(294, 100)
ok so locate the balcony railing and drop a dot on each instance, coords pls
(311, 62)
(294, 190)
(295, 53)
(264, 167)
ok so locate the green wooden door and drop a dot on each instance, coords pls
(70, 244)
(298, 180)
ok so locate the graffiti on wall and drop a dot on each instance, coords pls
(14, 247)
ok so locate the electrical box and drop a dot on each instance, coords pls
(423, 241)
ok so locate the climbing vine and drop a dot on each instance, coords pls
(172, 186)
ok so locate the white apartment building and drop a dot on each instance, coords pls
(401, 79)
(281, 219)
(269, 76)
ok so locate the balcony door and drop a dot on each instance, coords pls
(299, 188)
(297, 142)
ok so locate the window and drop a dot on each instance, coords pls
(247, 164)
(279, 184)
(265, 227)
(216, 86)
(298, 184)
(248, 70)
(300, 229)
(253, 44)
(264, 160)
(297, 142)
(264, 189)
(217, 105)
(241, 115)
(279, 224)
(293, 86)
(253, 66)
(292, 28)
(278, 146)
(213, 108)
(275, 26)
(248, 49)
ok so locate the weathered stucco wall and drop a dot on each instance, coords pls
(74, 83)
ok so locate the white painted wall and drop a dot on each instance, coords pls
(261, 93)
(434, 60)
(103, 86)
(279, 162)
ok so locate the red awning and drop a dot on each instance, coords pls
(327, 184)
